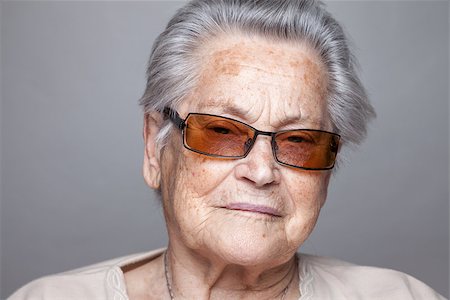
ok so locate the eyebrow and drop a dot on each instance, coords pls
(227, 107)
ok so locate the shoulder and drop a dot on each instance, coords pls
(100, 281)
(337, 279)
(84, 283)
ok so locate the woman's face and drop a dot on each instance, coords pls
(271, 86)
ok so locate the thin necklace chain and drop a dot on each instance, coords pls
(169, 286)
(166, 272)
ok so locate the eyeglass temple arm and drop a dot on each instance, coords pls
(174, 117)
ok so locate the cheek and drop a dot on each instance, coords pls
(306, 200)
(200, 176)
(188, 183)
(189, 205)
(185, 172)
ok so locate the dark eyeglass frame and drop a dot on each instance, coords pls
(181, 124)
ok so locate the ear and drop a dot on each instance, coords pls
(151, 166)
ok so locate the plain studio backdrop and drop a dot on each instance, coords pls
(71, 149)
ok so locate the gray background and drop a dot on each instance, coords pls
(72, 192)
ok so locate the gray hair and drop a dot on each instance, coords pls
(173, 66)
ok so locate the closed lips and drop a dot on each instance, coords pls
(254, 208)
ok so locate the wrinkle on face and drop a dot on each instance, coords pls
(270, 86)
(250, 69)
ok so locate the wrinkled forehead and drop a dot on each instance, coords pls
(229, 54)
(243, 76)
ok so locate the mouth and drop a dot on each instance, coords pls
(253, 208)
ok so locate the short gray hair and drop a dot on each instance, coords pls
(173, 66)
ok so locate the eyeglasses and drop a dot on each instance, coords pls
(222, 137)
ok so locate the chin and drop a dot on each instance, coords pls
(246, 248)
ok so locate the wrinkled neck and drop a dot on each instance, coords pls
(199, 275)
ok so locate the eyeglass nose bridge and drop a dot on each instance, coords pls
(251, 142)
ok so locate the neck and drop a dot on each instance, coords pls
(194, 275)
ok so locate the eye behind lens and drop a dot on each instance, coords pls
(221, 130)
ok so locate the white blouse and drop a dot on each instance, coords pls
(320, 278)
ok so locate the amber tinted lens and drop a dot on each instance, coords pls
(215, 135)
(309, 149)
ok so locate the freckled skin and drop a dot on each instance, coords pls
(277, 86)
(270, 83)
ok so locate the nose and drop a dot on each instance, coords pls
(259, 166)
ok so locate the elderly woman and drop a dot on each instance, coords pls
(246, 108)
